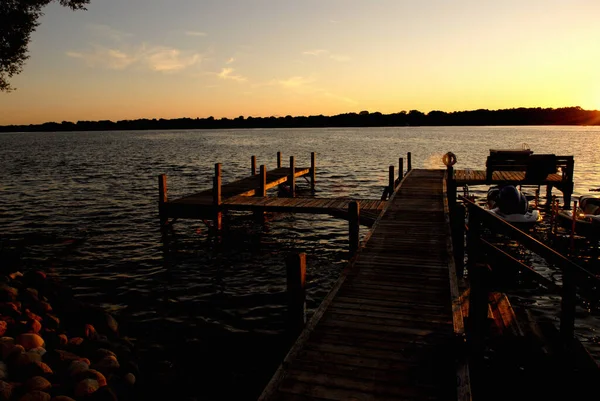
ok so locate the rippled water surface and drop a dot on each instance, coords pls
(85, 205)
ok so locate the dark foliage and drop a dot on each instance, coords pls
(18, 20)
(518, 116)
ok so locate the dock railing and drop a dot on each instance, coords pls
(575, 279)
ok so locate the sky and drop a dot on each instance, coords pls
(128, 59)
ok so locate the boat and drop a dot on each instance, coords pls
(510, 204)
(587, 217)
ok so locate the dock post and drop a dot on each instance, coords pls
(162, 199)
(391, 180)
(296, 278)
(458, 238)
(451, 188)
(573, 224)
(408, 161)
(549, 195)
(278, 159)
(313, 171)
(567, 305)
(262, 185)
(353, 227)
(292, 178)
(253, 165)
(567, 187)
(217, 197)
(401, 166)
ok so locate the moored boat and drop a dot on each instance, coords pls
(587, 216)
(510, 204)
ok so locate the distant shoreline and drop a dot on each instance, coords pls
(574, 116)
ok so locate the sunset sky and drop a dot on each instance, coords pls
(127, 59)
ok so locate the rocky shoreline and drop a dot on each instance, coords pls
(54, 347)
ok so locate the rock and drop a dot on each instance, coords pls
(63, 339)
(10, 352)
(3, 327)
(51, 321)
(40, 351)
(3, 371)
(107, 365)
(45, 369)
(30, 340)
(92, 374)
(102, 353)
(76, 367)
(59, 359)
(104, 394)
(129, 378)
(8, 293)
(6, 390)
(35, 396)
(38, 383)
(62, 398)
(86, 387)
(32, 315)
(75, 341)
(33, 326)
(90, 331)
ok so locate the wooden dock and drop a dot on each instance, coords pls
(510, 169)
(389, 327)
(250, 194)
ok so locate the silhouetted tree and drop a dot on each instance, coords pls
(518, 116)
(18, 19)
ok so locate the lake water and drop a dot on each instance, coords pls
(84, 205)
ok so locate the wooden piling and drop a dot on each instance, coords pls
(253, 165)
(278, 159)
(401, 168)
(451, 187)
(218, 216)
(353, 227)
(458, 238)
(567, 187)
(296, 294)
(573, 224)
(408, 161)
(391, 180)
(549, 195)
(567, 305)
(162, 199)
(262, 185)
(292, 179)
(313, 171)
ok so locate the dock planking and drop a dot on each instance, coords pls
(247, 195)
(478, 177)
(387, 329)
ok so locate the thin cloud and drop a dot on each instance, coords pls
(295, 82)
(316, 52)
(227, 74)
(156, 58)
(196, 33)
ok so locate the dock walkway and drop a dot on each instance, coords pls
(386, 329)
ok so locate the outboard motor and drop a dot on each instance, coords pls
(512, 201)
(492, 197)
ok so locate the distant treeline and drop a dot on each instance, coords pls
(516, 116)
